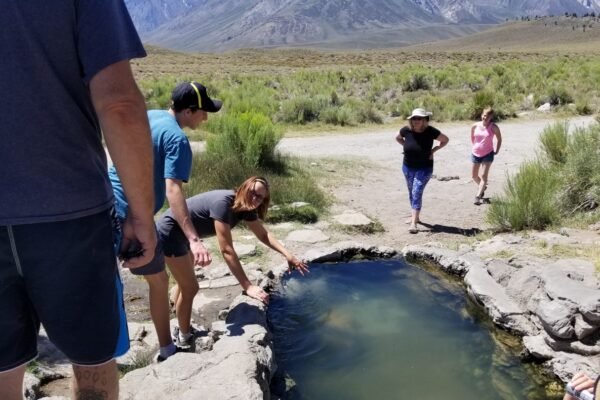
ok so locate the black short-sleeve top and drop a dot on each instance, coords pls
(417, 146)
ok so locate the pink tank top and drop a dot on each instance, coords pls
(483, 140)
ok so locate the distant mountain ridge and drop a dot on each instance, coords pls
(220, 25)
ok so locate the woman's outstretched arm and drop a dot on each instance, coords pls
(223, 231)
(268, 239)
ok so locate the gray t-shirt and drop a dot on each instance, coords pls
(204, 209)
(53, 163)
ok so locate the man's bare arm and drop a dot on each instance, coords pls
(122, 114)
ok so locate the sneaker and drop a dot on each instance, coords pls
(413, 229)
(189, 342)
(477, 201)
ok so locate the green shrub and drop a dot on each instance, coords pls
(529, 200)
(480, 101)
(337, 116)
(249, 137)
(581, 172)
(558, 96)
(305, 214)
(418, 81)
(554, 141)
(302, 109)
(582, 107)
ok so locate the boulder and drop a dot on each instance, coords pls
(557, 318)
(239, 366)
(352, 218)
(492, 296)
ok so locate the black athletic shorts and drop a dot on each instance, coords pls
(63, 275)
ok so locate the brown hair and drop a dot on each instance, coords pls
(242, 196)
(488, 110)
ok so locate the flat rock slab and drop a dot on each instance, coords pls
(307, 236)
(244, 250)
(352, 218)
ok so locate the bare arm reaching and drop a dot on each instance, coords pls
(122, 113)
(233, 262)
(268, 239)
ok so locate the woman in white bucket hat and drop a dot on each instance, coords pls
(417, 140)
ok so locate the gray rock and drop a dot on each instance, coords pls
(352, 218)
(500, 271)
(346, 250)
(299, 204)
(583, 328)
(537, 347)
(31, 386)
(307, 236)
(216, 270)
(227, 281)
(501, 308)
(283, 226)
(244, 250)
(526, 287)
(576, 347)
(239, 366)
(559, 285)
(546, 107)
(557, 318)
(565, 365)
(449, 260)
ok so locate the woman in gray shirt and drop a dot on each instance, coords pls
(216, 213)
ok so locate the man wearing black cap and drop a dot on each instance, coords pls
(172, 166)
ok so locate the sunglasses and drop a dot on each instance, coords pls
(256, 195)
(417, 118)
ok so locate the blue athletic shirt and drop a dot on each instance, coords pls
(53, 162)
(172, 159)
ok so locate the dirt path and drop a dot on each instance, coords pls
(380, 192)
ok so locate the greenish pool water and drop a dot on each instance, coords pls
(387, 330)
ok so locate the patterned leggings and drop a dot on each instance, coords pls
(416, 179)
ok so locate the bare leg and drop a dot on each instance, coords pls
(475, 174)
(484, 178)
(159, 306)
(96, 383)
(182, 269)
(415, 218)
(11, 383)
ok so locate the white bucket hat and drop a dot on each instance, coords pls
(420, 112)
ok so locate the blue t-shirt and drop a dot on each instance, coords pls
(53, 162)
(172, 159)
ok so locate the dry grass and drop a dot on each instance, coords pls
(559, 34)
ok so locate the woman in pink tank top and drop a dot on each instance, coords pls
(482, 153)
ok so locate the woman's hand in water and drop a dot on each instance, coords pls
(257, 293)
(295, 264)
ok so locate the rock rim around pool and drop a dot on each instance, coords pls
(553, 306)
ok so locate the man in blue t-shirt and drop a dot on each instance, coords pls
(66, 82)
(190, 105)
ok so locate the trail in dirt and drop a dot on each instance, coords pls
(380, 192)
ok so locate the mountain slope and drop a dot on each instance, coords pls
(220, 25)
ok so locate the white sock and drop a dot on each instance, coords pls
(184, 336)
(168, 350)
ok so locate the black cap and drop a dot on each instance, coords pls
(193, 95)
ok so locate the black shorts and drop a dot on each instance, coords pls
(63, 275)
(156, 265)
(174, 244)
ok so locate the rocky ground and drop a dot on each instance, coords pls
(363, 174)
